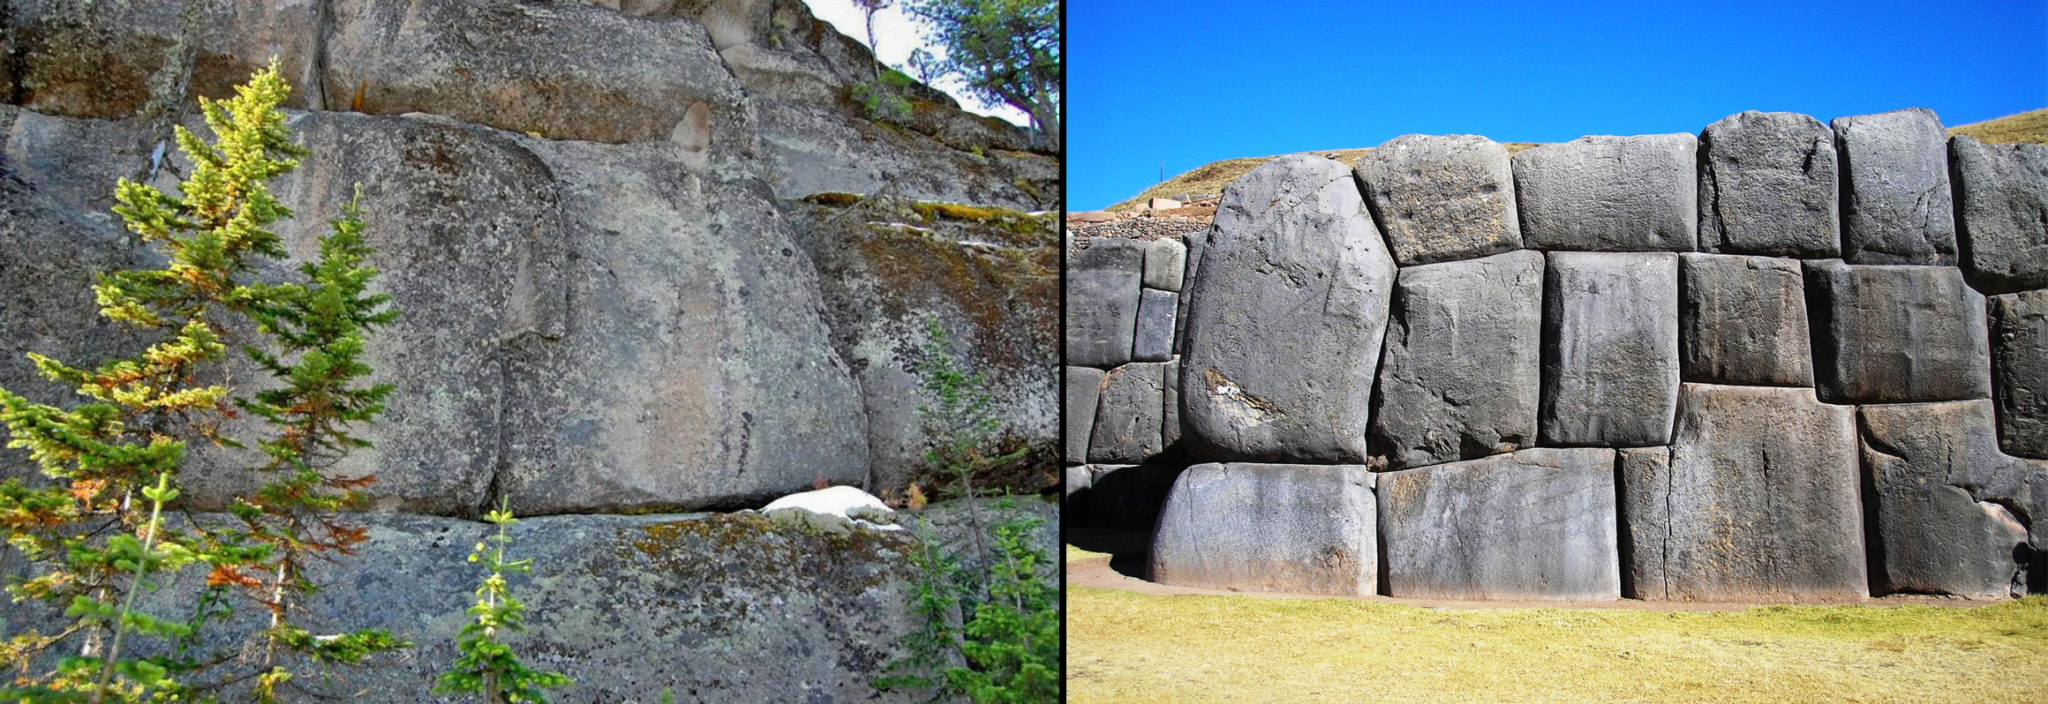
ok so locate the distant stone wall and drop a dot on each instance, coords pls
(1779, 361)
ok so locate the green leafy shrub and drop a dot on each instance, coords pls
(883, 100)
(487, 665)
(94, 534)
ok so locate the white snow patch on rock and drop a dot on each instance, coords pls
(843, 501)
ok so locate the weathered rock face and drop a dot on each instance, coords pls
(1441, 198)
(1461, 374)
(1610, 194)
(1537, 524)
(1758, 501)
(1127, 420)
(2019, 371)
(1768, 186)
(1610, 356)
(1166, 259)
(1264, 527)
(1896, 207)
(1949, 511)
(2001, 194)
(1103, 286)
(1892, 334)
(1743, 321)
(96, 61)
(1290, 307)
(1083, 392)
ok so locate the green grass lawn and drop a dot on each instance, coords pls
(1129, 647)
(1213, 176)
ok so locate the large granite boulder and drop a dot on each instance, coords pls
(1610, 194)
(888, 270)
(1128, 419)
(2001, 193)
(1896, 334)
(2019, 371)
(1758, 501)
(1461, 375)
(1305, 529)
(1103, 283)
(1441, 198)
(1743, 321)
(98, 59)
(1768, 186)
(667, 390)
(1537, 524)
(1896, 205)
(1949, 511)
(1610, 354)
(1288, 313)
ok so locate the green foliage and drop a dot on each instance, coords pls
(92, 549)
(487, 665)
(961, 424)
(1005, 51)
(883, 100)
(1008, 649)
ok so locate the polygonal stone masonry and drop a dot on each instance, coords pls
(1610, 349)
(1441, 198)
(1305, 529)
(1610, 194)
(1949, 511)
(1103, 282)
(1742, 320)
(1896, 334)
(1166, 260)
(1768, 185)
(1083, 392)
(1896, 203)
(1536, 524)
(2001, 193)
(1154, 339)
(2019, 371)
(1127, 419)
(1461, 374)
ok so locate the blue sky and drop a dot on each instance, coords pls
(1187, 83)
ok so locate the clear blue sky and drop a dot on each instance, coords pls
(1187, 83)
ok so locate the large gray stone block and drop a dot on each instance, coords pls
(1896, 334)
(1742, 320)
(1285, 329)
(1758, 501)
(1127, 421)
(1896, 205)
(1083, 392)
(1461, 375)
(1103, 282)
(2019, 371)
(1166, 263)
(1306, 529)
(1154, 339)
(1949, 509)
(2001, 193)
(1768, 186)
(1610, 349)
(1196, 241)
(1610, 194)
(1537, 524)
(1441, 198)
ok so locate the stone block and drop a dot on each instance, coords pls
(1948, 507)
(1461, 375)
(1742, 320)
(1768, 185)
(1896, 334)
(1758, 501)
(1169, 427)
(1166, 261)
(1304, 529)
(1610, 194)
(1127, 421)
(1196, 242)
(1102, 302)
(2001, 193)
(2019, 371)
(1289, 311)
(1083, 392)
(1610, 349)
(1536, 524)
(1154, 339)
(1896, 204)
(1441, 198)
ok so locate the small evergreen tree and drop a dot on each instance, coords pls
(487, 665)
(95, 536)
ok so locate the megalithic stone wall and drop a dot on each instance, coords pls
(1783, 360)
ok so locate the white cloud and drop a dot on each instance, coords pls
(897, 34)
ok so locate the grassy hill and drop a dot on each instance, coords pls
(1213, 176)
